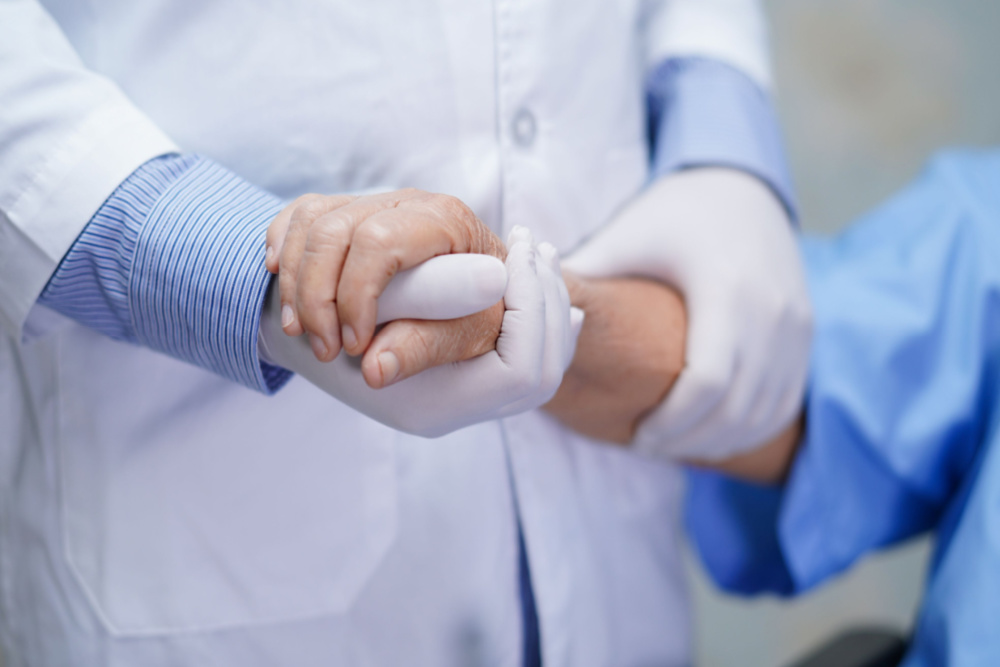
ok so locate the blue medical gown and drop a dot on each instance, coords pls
(902, 422)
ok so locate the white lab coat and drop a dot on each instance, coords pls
(153, 514)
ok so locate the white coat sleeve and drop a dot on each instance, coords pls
(729, 31)
(68, 137)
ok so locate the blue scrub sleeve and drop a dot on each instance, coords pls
(705, 113)
(907, 344)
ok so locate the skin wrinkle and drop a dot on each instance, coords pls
(382, 238)
(313, 227)
(630, 352)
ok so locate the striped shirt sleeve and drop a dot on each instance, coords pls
(174, 261)
(706, 113)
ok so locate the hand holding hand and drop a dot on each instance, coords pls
(536, 343)
(336, 254)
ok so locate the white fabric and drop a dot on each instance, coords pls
(68, 137)
(732, 31)
(725, 241)
(153, 514)
(536, 344)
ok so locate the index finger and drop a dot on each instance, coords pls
(310, 205)
(389, 242)
(315, 255)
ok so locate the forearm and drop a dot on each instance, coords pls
(630, 352)
(768, 464)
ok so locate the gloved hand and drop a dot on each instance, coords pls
(723, 239)
(536, 344)
(336, 253)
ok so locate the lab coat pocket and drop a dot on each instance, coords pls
(191, 504)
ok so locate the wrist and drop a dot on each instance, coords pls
(630, 353)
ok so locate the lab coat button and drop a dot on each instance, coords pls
(524, 128)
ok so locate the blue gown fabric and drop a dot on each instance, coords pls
(903, 418)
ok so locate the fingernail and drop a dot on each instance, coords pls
(268, 255)
(519, 234)
(287, 316)
(318, 346)
(347, 335)
(548, 252)
(389, 364)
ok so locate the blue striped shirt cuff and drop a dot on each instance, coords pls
(174, 261)
(705, 113)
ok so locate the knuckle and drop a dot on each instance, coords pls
(410, 193)
(462, 213)
(308, 208)
(487, 331)
(311, 298)
(314, 312)
(451, 207)
(309, 302)
(416, 349)
(450, 203)
(306, 199)
(374, 233)
(332, 230)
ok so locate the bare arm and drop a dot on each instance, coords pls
(630, 353)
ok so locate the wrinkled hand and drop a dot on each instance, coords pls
(536, 343)
(630, 352)
(335, 255)
(723, 239)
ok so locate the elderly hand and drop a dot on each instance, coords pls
(336, 254)
(630, 352)
(723, 239)
(536, 343)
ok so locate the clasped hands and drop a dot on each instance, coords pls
(719, 235)
(335, 256)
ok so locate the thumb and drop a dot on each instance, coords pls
(404, 348)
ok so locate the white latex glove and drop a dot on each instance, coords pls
(536, 344)
(723, 239)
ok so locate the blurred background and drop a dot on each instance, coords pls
(867, 91)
